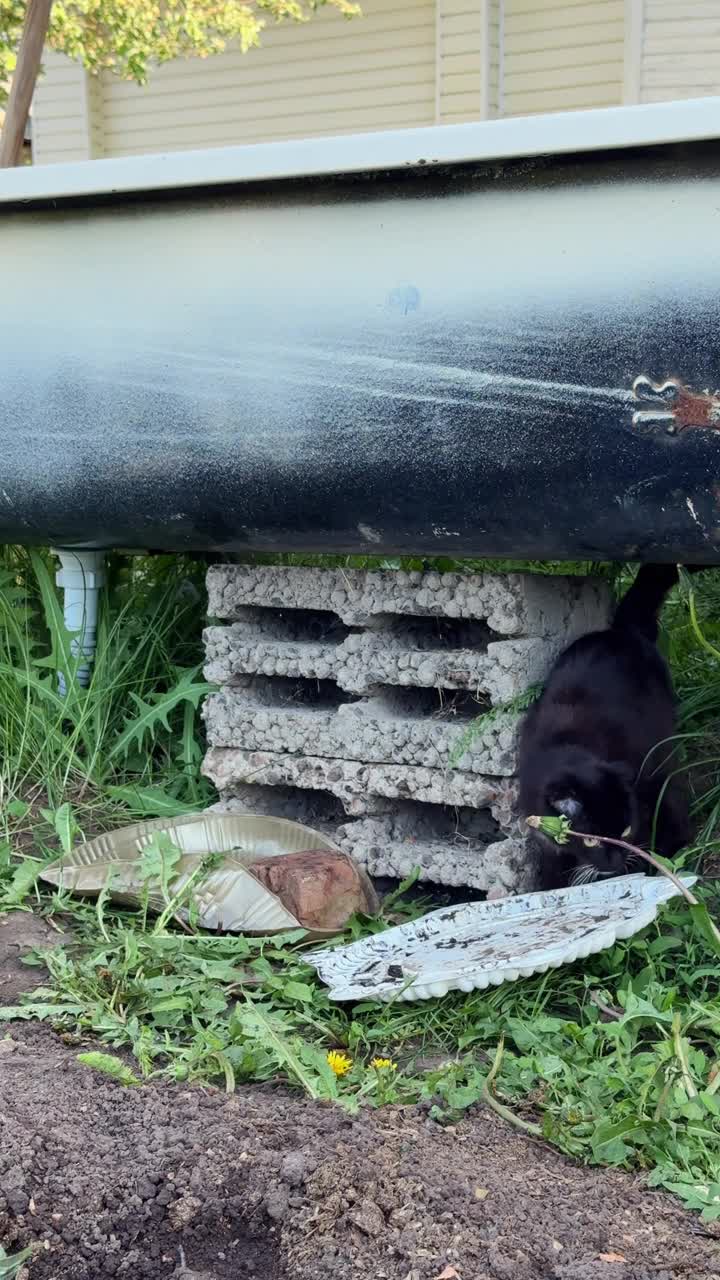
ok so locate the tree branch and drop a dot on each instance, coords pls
(37, 21)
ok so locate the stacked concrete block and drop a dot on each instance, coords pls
(370, 704)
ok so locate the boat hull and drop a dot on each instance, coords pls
(486, 359)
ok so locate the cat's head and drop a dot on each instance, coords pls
(598, 799)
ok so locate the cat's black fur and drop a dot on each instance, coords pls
(595, 746)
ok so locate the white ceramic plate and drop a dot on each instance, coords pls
(485, 943)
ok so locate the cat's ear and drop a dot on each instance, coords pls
(568, 806)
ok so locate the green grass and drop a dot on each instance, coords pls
(129, 744)
(10, 1265)
(617, 1060)
(440, 564)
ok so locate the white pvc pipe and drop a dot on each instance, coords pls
(81, 576)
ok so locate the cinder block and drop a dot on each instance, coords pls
(377, 730)
(370, 705)
(500, 865)
(511, 604)
(395, 843)
(501, 669)
(361, 788)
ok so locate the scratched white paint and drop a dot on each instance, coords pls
(149, 345)
(132, 285)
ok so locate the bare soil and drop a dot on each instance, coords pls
(168, 1182)
(21, 932)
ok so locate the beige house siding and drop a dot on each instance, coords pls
(680, 49)
(495, 38)
(404, 63)
(330, 76)
(327, 77)
(461, 61)
(562, 55)
(59, 118)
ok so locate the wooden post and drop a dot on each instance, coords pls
(37, 21)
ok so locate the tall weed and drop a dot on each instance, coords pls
(130, 740)
(617, 1058)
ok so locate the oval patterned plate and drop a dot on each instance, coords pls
(485, 943)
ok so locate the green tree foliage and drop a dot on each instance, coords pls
(128, 37)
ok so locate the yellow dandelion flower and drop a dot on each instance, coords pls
(384, 1064)
(339, 1062)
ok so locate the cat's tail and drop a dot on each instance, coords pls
(640, 606)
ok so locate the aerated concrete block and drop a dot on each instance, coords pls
(350, 701)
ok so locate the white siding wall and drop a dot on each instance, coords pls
(680, 50)
(329, 76)
(562, 55)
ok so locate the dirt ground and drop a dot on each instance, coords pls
(188, 1184)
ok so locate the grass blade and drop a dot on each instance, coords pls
(258, 1025)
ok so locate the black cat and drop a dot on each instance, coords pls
(596, 745)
